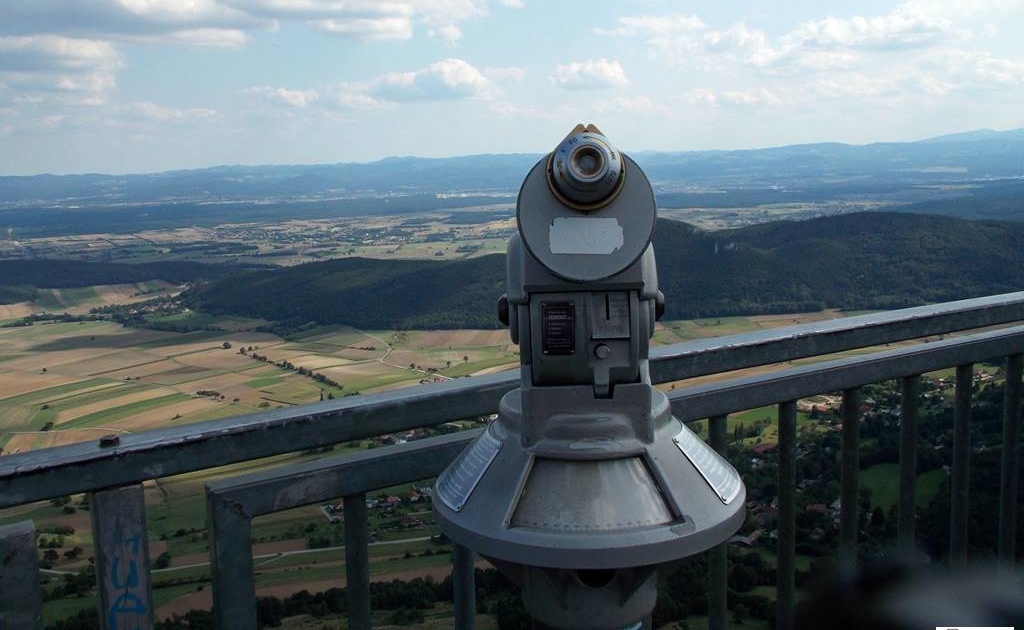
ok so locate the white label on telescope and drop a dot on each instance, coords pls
(457, 482)
(722, 477)
(585, 235)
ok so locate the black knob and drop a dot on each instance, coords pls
(659, 306)
(503, 309)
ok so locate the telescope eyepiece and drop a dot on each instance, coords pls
(586, 172)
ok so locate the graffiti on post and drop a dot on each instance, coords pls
(130, 605)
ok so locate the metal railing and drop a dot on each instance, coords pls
(112, 471)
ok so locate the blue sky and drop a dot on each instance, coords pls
(144, 85)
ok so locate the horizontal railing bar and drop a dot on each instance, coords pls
(267, 491)
(46, 473)
(272, 490)
(74, 468)
(733, 352)
(713, 399)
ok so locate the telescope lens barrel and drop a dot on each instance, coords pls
(586, 171)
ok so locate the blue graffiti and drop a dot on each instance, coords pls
(131, 580)
(127, 603)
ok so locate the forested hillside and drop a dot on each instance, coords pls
(20, 278)
(366, 293)
(854, 261)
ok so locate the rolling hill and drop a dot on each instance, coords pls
(856, 261)
(19, 278)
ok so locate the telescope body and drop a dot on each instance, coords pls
(586, 488)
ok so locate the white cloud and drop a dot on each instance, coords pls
(284, 96)
(52, 52)
(903, 28)
(40, 68)
(365, 20)
(192, 22)
(227, 22)
(699, 96)
(757, 97)
(512, 4)
(449, 34)
(686, 40)
(970, 69)
(762, 97)
(368, 29)
(151, 112)
(631, 105)
(448, 79)
(504, 109)
(590, 74)
(855, 87)
(354, 97)
(660, 29)
(508, 73)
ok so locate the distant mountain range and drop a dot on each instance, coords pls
(875, 260)
(794, 172)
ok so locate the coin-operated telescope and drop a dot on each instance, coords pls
(586, 488)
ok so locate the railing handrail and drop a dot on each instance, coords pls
(47, 473)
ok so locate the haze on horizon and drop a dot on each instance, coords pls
(149, 85)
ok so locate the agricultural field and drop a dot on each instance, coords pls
(79, 300)
(440, 235)
(67, 382)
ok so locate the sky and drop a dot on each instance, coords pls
(119, 86)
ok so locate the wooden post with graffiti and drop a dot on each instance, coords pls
(122, 558)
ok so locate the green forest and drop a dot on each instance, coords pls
(871, 260)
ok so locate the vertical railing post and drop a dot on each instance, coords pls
(122, 558)
(464, 587)
(961, 467)
(1011, 461)
(20, 600)
(786, 543)
(908, 462)
(234, 588)
(357, 561)
(717, 556)
(849, 490)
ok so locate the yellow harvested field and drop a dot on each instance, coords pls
(280, 353)
(109, 362)
(16, 383)
(237, 339)
(355, 354)
(127, 293)
(17, 310)
(15, 418)
(458, 338)
(47, 439)
(774, 321)
(217, 359)
(53, 361)
(78, 392)
(316, 361)
(361, 370)
(164, 416)
(160, 366)
(116, 401)
(497, 368)
(220, 382)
